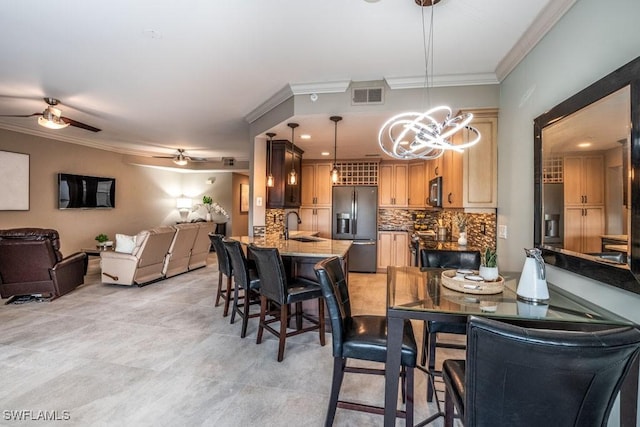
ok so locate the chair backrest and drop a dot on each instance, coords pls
(224, 264)
(336, 295)
(522, 377)
(238, 263)
(34, 234)
(450, 259)
(273, 277)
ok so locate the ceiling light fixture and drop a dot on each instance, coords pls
(50, 119)
(335, 172)
(293, 176)
(270, 180)
(180, 159)
(426, 135)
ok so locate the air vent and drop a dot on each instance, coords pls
(228, 161)
(367, 95)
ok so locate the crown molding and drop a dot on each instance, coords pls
(268, 105)
(540, 26)
(339, 86)
(445, 80)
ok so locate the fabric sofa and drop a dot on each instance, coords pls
(31, 263)
(157, 254)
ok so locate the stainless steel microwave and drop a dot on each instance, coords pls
(435, 192)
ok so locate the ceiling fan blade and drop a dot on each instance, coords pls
(79, 124)
(197, 159)
(164, 157)
(20, 115)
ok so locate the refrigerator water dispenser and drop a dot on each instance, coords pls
(343, 223)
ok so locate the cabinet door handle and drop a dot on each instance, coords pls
(449, 198)
(436, 171)
(585, 199)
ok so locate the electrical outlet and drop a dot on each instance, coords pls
(502, 231)
(483, 228)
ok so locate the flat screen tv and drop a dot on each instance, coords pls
(86, 192)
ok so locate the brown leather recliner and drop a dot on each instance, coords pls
(31, 263)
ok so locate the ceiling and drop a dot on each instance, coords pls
(157, 75)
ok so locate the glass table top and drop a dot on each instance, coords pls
(414, 289)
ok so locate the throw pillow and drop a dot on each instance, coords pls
(125, 244)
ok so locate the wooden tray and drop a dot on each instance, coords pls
(450, 281)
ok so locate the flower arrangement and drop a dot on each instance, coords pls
(211, 207)
(461, 221)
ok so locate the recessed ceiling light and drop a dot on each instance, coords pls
(584, 144)
(305, 136)
(325, 153)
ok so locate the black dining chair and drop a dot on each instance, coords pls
(517, 376)
(276, 288)
(443, 259)
(362, 337)
(245, 278)
(224, 268)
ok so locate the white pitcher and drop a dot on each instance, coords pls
(533, 283)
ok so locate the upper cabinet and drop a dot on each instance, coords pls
(316, 190)
(283, 194)
(584, 180)
(417, 185)
(480, 177)
(392, 185)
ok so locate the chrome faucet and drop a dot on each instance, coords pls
(286, 223)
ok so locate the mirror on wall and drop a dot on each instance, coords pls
(585, 154)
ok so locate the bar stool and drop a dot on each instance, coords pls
(362, 338)
(224, 268)
(275, 288)
(443, 259)
(246, 278)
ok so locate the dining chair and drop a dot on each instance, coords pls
(224, 268)
(362, 337)
(276, 288)
(443, 259)
(245, 279)
(517, 376)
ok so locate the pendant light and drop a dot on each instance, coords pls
(270, 180)
(292, 178)
(335, 173)
(427, 135)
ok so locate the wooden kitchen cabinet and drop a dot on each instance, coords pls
(480, 163)
(282, 194)
(316, 219)
(417, 184)
(392, 185)
(583, 227)
(317, 185)
(583, 202)
(584, 180)
(393, 249)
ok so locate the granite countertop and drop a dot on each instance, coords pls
(320, 248)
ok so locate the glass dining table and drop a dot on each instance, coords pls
(419, 294)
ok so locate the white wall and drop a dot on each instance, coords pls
(594, 38)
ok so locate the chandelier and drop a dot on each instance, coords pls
(427, 135)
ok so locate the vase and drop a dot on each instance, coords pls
(462, 240)
(208, 217)
(488, 273)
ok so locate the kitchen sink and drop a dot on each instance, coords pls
(305, 239)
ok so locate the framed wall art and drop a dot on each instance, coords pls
(14, 181)
(244, 198)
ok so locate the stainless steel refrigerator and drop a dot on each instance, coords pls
(355, 217)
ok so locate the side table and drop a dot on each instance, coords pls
(94, 252)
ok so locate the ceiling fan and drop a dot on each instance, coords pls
(52, 117)
(181, 159)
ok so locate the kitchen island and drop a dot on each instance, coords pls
(299, 256)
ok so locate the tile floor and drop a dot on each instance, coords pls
(163, 355)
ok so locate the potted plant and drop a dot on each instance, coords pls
(103, 240)
(489, 265)
(213, 208)
(461, 222)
